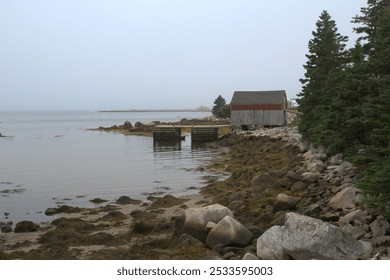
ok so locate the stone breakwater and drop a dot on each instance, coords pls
(282, 199)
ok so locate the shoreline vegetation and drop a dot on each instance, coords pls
(261, 178)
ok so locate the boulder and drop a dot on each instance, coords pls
(127, 125)
(26, 226)
(284, 202)
(143, 226)
(249, 256)
(345, 199)
(126, 200)
(376, 229)
(307, 238)
(298, 186)
(358, 215)
(194, 220)
(312, 210)
(185, 240)
(310, 177)
(368, 249)
(269, 245)
(6, 229)
(229, 232)
(294, 176)
(316, 166)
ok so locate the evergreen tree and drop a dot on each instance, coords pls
(374, 31)
(327, 60)
(220, 108)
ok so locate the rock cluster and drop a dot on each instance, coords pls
(323, 189)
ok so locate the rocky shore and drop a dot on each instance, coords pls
(146, 128)
(282, 200)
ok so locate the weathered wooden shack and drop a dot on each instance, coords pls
(254, 109)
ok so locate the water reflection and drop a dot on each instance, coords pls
(166, 146)
(200, 146)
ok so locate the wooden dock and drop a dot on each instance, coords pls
(199, 133)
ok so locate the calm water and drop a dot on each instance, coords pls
(51, 159)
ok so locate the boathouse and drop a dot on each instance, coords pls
(255, 109)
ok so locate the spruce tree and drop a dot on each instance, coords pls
(220, 108)
(374, 31)
(326, 62)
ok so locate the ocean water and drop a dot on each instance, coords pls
(49, 159)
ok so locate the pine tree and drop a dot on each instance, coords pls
(220, 108)
(327, 60)
(374, 31)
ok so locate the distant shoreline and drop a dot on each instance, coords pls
(153, 111)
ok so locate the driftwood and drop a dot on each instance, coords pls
(376, 257)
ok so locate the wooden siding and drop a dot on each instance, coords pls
(258, 118)
(256, 107)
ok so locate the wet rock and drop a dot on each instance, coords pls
(6, 229)
(51, 211)
(127, 125)
(114, 216)
(143, 226)
(269, 246)
(75, 224)
(127, 200)
(266, 179)
(166, 201)
(229, 232)
(99, 238)
(284, 202)
(26, 226)
(98, 200)
(68, 209)
(308, 238)
(62, 209)
(141, 214)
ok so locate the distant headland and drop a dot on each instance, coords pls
(199, 109)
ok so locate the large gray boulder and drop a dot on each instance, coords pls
(194, 220)
(229, 232)
(269, 244)
(308, 238)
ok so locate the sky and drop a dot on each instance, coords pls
(154, 54)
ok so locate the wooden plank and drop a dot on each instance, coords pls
(204, 134)
(167, 134)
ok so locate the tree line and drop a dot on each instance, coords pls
(345, 97)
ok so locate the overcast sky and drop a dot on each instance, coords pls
(151, 54)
